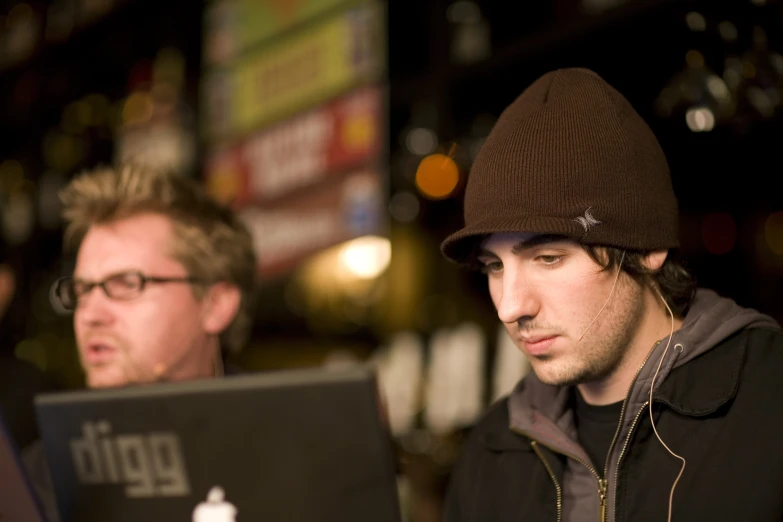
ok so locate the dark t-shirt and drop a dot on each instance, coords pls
(595, 426)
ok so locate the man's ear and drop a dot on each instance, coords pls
(221, 305)
(7, 288)
(654, 260)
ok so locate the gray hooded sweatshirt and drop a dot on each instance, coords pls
(541, 411)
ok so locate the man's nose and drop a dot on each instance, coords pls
(94, 308)
(518, 299)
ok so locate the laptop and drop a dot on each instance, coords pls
(17, 499)
(296, 445)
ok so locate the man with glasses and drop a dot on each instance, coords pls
(163, 277)
(163, 281)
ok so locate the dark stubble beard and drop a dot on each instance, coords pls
(624, 312)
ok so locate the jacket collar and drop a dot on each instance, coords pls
(503, 439)
(708, 382)
(697, 388)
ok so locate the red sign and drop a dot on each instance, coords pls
(287, 233)
(300, 152)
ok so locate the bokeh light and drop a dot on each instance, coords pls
(366, 257)
(437, 176)
(404, 207)
(773, 232)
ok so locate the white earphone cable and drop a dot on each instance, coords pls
(652, 421)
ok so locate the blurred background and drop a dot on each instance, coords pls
(343, 131)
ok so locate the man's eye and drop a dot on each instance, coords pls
(550, 260)
(492, 266)
(125, 281)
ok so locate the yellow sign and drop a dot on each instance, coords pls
(303, 70)
(261, 20)
(234, 26)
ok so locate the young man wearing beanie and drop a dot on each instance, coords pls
(570, 212)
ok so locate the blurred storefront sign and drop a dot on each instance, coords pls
(299, 152)
(295, 72)
(232, 26)
(289, 231)
(295, 123)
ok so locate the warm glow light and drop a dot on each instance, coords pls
(696, 21)
(11, 173)
(728, 31)
(33, 351)
(694, 59)
(437, 176)
(421, 141)
(76, 116)
(700, 119)
(366, 257)
(138, 108)
(773, 232)
(99, 108)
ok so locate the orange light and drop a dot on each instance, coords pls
(437, 176)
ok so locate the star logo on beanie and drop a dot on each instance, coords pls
(587, 221)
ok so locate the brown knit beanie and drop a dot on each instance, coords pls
(570, 156)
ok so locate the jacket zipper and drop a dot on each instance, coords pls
(602, 495)
(604, 499)
(602, 483)
(622, 453)
(534, 444)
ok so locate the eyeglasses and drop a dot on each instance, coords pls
(124, 286)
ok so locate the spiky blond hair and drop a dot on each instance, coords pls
(209, 240)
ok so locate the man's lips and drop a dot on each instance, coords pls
(99, 352)
(538, 345)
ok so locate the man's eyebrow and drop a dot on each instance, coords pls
(534, 241)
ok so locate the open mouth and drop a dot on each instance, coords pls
(99, 353)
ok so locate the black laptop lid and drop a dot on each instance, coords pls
(300, 446)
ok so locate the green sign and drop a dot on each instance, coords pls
(233, 26)
(301, 70)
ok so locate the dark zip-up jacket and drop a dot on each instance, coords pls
(717, 402)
